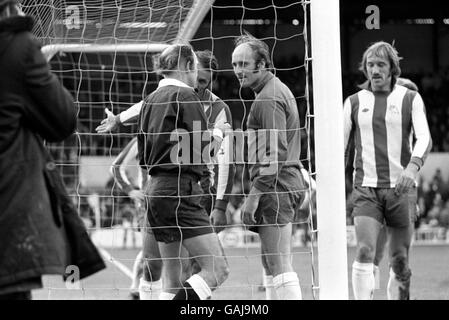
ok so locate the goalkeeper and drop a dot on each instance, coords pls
(276, 180)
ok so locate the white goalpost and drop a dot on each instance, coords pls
(329, 150)
(104, 50)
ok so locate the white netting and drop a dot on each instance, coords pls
(109, 22)
(119, 78)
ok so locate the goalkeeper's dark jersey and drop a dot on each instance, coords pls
(274, 140)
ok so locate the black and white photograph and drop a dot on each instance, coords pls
(235, 151)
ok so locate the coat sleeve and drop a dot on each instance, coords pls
(51, 112)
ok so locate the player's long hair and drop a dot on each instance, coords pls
(383, 50)
(260, 48)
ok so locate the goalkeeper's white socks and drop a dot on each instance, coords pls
(287, 286)
(166, 296)
(150, 290)
(270, 291)
(363, 280)
(376, 272)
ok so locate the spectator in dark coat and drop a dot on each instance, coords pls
(34, 106)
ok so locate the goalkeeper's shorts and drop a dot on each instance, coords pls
(175, 212)
(278, 206)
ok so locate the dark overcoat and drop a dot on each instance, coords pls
(37, 221)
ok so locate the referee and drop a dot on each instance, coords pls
(172, 118)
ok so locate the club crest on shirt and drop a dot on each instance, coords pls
(393, 109)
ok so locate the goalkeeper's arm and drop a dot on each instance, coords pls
(127, 117)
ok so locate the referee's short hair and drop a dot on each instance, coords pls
(383, 50)
(175, 57)
(260, 48)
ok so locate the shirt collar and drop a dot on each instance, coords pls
(263, 81)
(172, 82)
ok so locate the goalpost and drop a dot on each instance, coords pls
(106, 51)
(329, 149)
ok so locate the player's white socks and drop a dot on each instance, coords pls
(376, 272)
(287, 286)
(200, 287)
(136, 276)
(150, 290)
(363, 280)
(166, 296)
(270, 291)
(393, 286)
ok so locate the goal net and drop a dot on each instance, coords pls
(104, 53)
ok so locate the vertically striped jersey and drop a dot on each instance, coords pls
(389, 130)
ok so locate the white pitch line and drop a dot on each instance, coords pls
(116, 263)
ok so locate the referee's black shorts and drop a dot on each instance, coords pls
(175, 212)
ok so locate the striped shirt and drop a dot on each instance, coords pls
(389, 131)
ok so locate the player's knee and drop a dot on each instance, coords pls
(400, 267)
(365, 253)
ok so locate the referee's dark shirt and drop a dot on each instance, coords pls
(169, 113)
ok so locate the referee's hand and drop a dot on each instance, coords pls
(110, 123)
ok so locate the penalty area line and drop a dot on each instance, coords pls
(116, 263)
